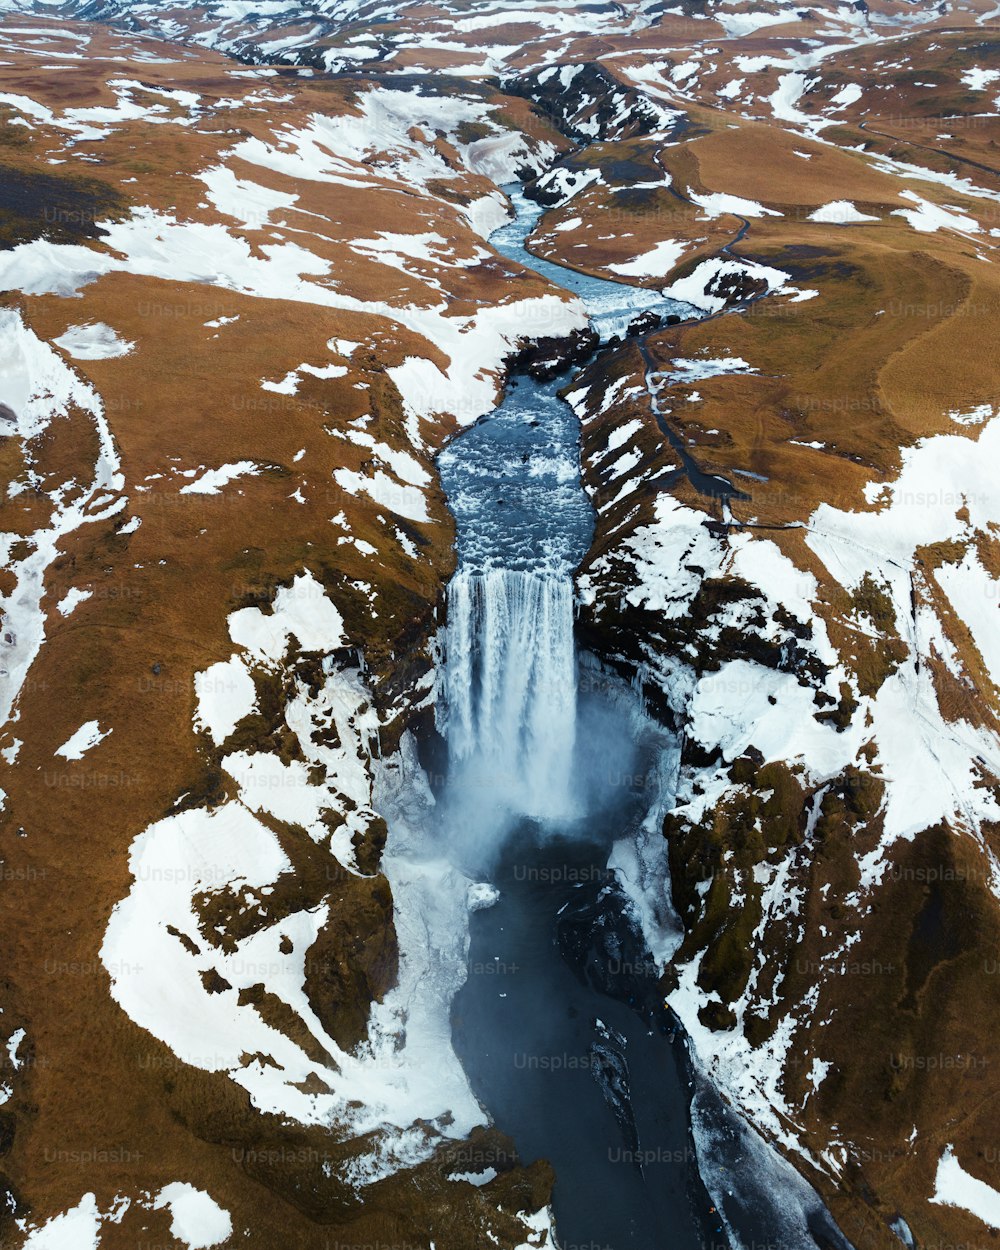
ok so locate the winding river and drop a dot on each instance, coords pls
(553, 769)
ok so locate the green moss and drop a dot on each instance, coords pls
(757, 1029)
(11, 134)
(266, 728)
(226, 916)
(717, 1017)
(875, 659)
(729, 958)
(446, 191)
(757, 822)
(841, 715)
(208, 789)
(782, 813)
(855, 798)
(369, 845)
(874, 602)
(471, 132)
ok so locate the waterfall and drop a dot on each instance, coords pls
(510, 687)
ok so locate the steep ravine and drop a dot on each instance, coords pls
(555, 773)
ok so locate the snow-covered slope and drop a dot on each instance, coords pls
(365, 36)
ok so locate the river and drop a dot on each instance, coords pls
(553, 768)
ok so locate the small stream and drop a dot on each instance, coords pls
(560, 1026)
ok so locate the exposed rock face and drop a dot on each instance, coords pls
(588, 103)
(546, 358)
(646, 322)
(736, 287)
(354, 959)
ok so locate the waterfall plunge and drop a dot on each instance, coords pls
(510, 688)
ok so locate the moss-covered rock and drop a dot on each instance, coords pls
(354, 960)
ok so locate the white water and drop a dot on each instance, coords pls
(524, 523)
(510, 687)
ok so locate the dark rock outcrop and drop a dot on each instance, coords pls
(737, 287)
(354, 960)
(546, 358)
(589, 104)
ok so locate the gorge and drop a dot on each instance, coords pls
(553, 767)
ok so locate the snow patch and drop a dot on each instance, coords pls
(86, 737)
(226, 694)
(195, 1217)
(96, 341)
(954, 1187)
(656, 263)
(840, 213)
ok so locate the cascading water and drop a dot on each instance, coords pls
(532, 804)
(511, 687)
(508, 711)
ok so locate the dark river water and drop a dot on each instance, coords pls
(573, 1074)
